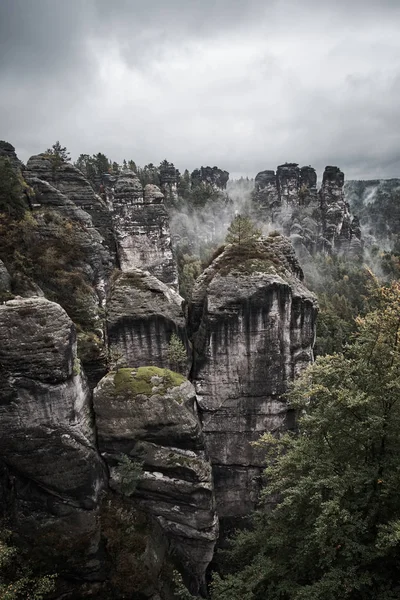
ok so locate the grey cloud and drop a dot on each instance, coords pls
(242, 85)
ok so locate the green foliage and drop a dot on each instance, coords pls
(51, 251)
(77, 367)
(177, 354)
(189, 268)
(18, 579)
(343, 287)
(128, 474)
(242, 230)
(126, 531)
(57, 155)
(329, 523)
(145, 380)
(12, 201)
(180, 590)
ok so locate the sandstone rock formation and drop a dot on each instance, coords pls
(252, 323)
(142, 315)
(148, 414)
(142, 228)
(169, 182)
(7, 150)
(314, 221)
(5, 280)
(68, 180)
(213, 176)
(51, 473)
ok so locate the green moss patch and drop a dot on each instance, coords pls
(140, 381)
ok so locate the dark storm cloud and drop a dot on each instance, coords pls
(242, 85)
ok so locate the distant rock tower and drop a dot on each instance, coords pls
(142, 229)
(313, 220)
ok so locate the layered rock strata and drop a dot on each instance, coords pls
(68, 180)
(148, 415)
(142, 315)
(51, 472)
(313, 220)
(252, 323)
(142, 228)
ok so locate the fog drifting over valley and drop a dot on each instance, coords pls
(245, 86)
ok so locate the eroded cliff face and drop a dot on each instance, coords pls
(252, 322)
(142, 228)
(52, 474)
(149, 414)
(68, 180)
(142, 315)
(313, 220)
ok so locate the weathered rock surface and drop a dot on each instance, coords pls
(51, 472)
(213, 176)
(142, 228)
(142, 314)
(252, 324)
(7, 150)
(149, 414)
(5, 280)
(313, 221)
(68, 180)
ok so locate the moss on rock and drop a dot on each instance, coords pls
(146, 380)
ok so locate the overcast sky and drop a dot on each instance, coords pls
(242, 84)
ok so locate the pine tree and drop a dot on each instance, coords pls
(242, 230)
(59, 153)
(177, 354)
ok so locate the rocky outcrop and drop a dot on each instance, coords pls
(313, 220)
(252, 324)
(68, 180)
(142, 228)
(148, 415)
(5, 281)
(288, 182)
(7, 150)
(212, 176)
(142, 315)
(339, 232)
(169, 182)
(51, 473)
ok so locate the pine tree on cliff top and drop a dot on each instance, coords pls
(242, 230)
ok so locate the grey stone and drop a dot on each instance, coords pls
(142, 314)
(5, 279)
(252, 323)
(142, 229)
(149, 414)
(47, 438)
(68, 180)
